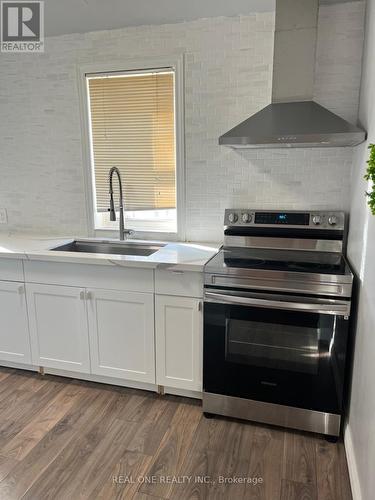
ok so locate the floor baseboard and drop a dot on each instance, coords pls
(352, 465)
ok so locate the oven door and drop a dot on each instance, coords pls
(279, 349)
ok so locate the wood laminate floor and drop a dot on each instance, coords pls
(68, 439)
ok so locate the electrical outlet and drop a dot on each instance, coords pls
(3, 216)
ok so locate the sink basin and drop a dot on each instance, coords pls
(109, 247)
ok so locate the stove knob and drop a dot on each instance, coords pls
(317, 220)
(246, 218)
(332, 220)
(233, 217)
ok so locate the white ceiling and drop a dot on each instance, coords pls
(80, 16)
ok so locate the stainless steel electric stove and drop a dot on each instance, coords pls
(277, 303)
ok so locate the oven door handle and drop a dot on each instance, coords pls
(334, 307)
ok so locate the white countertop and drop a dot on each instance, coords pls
(174, 255)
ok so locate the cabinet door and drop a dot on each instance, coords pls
(58, 327)
(14, 330)
(179, 326)
(121, 326)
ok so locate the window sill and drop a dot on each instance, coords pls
(138, 235)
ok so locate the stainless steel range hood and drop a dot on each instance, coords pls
(295, 125)
(293, 119)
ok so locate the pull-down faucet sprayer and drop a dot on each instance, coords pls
(112, 210)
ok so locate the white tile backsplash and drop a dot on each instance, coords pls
(268, 179)
(228, 73)
(339, 57)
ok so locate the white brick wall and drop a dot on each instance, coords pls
(227, 78)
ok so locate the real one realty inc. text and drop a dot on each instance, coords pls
(123, 479)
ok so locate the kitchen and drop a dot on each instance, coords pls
(116, 324)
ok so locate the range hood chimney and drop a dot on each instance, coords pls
(293, 119)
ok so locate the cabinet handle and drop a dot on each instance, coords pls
(21, 289)
(200, 305)
(88, 295)
(82, 295)
(178, 272)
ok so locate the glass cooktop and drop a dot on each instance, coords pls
(279, 260)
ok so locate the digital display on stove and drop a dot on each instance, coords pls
(292, 219)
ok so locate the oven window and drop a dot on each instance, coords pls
(292, 346)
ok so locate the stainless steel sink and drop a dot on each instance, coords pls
(110, 247)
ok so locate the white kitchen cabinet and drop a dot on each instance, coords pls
(178, 283)
(58, 327)
(105, 277)
(14, 331)
(179, 327)
(11, 270)
(121, 326)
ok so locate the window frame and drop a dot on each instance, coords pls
(119, 66)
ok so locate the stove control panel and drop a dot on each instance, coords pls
(286, 218)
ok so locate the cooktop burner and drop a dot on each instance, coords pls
(283, 260)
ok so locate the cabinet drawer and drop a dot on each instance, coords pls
(182, 283)
(90, 276)
(11, 270)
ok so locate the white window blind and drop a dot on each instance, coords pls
(133, 128)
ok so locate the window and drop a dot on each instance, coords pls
(132, 125)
